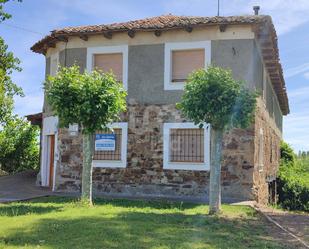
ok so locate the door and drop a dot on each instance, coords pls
(51, 152)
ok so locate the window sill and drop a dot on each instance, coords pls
(109, 164)
(186, 166)
(175, 85)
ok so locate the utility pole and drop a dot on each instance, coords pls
(218, 8)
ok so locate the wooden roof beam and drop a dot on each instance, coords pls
(131, 33)
(51, 45)
(84, 37)
(62, 38)
(157, 33)
(108, 34)
(222, 27)
(189, 29)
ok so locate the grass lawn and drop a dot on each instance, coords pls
(63, 223)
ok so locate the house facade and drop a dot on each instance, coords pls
(154, 151)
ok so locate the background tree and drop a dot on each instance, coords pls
(19, 149)
(8, 64)
(213, 96)
(8, 89)
(91, 100)
(19, 146)
(293, 179)
(287, 154)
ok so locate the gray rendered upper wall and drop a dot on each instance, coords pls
(71, 56)
(46, 108)
(146, 76)
(241, 57)
(146, 69)
(47, 66)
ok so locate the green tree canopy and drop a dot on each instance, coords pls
(214, 97)
(19, 145)
(92, 100)
(3, 14)
(287, 154)
(8, 64)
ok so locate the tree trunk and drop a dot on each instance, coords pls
(87, 169)
(215, 172)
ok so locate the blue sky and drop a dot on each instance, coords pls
(291, 18)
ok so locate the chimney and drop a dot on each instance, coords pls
(256, 10)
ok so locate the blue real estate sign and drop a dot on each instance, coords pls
(105, 142)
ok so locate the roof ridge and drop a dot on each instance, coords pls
(161, 16)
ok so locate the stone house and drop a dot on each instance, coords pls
(154, 151)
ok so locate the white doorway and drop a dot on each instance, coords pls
(49, 151)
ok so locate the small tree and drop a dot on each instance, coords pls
(213, 96)
(91, 100)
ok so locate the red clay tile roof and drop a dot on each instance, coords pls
(262, 26)
(163, 22)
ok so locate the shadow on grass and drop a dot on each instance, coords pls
(23, 209)
(139, 230)
(153, 204)
(125, 203)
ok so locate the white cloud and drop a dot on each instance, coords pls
(287, 14)
(29, 104)
(306, 75)
(120, 10)
(299, 92)
(296, 130)
(296, 70)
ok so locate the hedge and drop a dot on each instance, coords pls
(293, 192)
(293, 180)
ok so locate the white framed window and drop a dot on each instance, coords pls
(180, 59)
(116, 158)
(186, 146)
(264, 86)
(274, 105)
(261, 150)
(54, 62)
(110, 58)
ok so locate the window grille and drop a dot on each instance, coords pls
(187, 145)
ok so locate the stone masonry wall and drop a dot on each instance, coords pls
(144, 174)
(271, 152)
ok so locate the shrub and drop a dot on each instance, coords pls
(287, 154)
(19, 147)
(293, 180)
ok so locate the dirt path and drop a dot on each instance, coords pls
(294, 223)
(20, 186)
